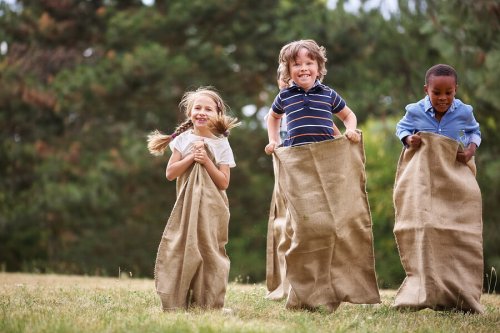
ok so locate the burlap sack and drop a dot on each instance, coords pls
(330, 259)
(438, 228)
(278, 242)
(192, 267)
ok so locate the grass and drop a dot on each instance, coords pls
(57, 303)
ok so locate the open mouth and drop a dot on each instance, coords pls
(201, 120)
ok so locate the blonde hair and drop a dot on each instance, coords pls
(279, 78)
(290, 51)
(219, 125)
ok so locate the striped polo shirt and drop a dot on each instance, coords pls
(309, 115)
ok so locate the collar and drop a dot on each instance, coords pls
(428, 105)
(316, 84)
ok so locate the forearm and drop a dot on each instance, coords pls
(177, 168)
(220, 179)
(348, 118)
(273, 126)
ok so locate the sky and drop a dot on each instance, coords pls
(387, 7)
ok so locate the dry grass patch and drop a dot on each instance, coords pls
(56, 303)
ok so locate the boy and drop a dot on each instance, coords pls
(441, 113)
(437, 201)
(328, 250)
(307, 103)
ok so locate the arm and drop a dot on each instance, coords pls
(474, 135)
(350, 122)
(177, 165)
(405, 130)
(220, 175)
(273, 127)
(336, 131)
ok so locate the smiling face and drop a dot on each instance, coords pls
(203, 108)
(441, 91)
(304, 70)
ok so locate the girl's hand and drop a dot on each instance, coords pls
(200, 154)
(198, 144)
(270, 147)
(352, 135)
(413, 141)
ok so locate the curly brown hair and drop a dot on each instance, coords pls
(290, 51)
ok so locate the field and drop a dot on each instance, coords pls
(57, 303)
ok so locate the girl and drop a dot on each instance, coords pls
(192, 266)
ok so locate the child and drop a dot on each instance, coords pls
(307, 103)
(437, 200)
(192, 266)
(282, 84)
(278, 240)
(441, 113)
(322, 182)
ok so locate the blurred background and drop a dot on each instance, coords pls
(82, 82)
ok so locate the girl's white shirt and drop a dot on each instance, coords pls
(219, 147)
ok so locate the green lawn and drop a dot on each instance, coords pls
(57, 303)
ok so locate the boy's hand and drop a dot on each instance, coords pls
(352, 135)
(466, 155)
(270, 147)
(413, 141)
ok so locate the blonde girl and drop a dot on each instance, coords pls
(192, 266)
(206, 123)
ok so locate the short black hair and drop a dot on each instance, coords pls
(441, 70)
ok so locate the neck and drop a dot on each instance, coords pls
(205, 132)
(438, 115)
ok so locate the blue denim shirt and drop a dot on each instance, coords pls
(457, 123)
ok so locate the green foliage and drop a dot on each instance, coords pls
(83, 82)
(382, 149)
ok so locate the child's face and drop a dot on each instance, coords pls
(304, 70)
(203, 109)
(441, 91)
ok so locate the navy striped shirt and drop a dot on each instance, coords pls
(309, 115)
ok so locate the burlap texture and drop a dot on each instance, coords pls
(330, 258)
(278, 242)
(438, 228)
(192, 266)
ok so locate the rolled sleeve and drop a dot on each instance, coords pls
(475, 138)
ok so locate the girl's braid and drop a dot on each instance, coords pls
(158, 142)
(182, 127)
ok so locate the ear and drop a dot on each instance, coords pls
(425, 89)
